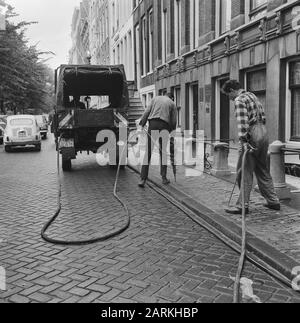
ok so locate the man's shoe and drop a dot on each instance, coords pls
(274, 207)
(142, 184)
(236, 211)
(166, 181)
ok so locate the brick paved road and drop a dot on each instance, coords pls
(163, 257)
(278, 229)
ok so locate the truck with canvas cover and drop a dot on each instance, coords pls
(89, 99)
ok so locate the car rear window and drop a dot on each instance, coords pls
(21, 122)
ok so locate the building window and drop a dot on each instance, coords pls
(138, 67)
(144, 46)
(162, 92)
(151, 96)
(118, 15)
(150, 40)
(257, 84)
(118, 54)
(114, 17)
(144, 100)
(258, 8)
(177, 100)
(295, 100)
(194, 14)
(164, 35)
(178, 22)
(256, 4)
(225, 16)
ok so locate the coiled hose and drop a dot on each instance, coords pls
(59, 207)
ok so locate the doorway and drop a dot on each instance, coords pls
(222, 121)
(195, 94)
(193, 111)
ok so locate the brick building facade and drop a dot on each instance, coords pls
(122, 38)
(192, 47)
(99, 30)
(80, 34)
(146, 46)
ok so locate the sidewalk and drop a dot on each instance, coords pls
(274, 237)
(292, 182)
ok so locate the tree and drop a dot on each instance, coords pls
(26, 82)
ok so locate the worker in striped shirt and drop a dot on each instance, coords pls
(253, 137)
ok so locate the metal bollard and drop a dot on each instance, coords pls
(221, 153)
(277, 170)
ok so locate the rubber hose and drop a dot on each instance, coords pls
(59, 207)
(244, 236)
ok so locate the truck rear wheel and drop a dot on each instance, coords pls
(66, 165)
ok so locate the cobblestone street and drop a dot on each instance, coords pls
(164, 257)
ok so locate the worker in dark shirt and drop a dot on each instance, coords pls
(162, 115)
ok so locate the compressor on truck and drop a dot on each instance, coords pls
(103, 91)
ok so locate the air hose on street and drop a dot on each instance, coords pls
(59, 207)
(244, 234)
(127, 225)
(115, 194)
(244, 229)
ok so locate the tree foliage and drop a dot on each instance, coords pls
(26, 82)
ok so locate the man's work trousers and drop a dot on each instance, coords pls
(156, 126)
(257, 162)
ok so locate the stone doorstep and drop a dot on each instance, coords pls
(277, 261)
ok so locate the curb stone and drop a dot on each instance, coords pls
(279, 263)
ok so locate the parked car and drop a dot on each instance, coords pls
(43, 124)
(2, 128)
(22, 131)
